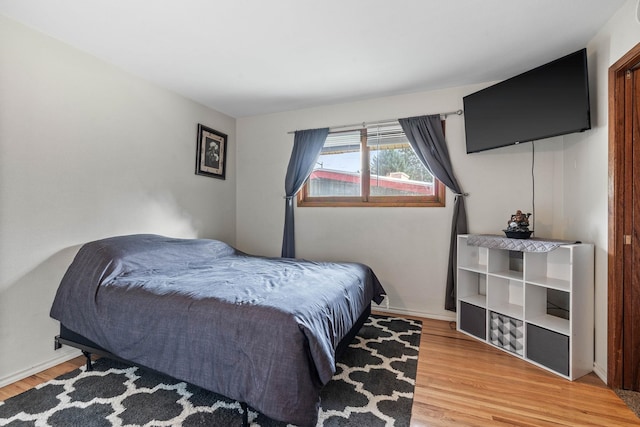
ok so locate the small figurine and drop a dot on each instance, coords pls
(518, 226)
(519, 221)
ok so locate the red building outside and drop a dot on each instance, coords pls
(328, 182)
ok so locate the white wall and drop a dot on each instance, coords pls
(586, 162)
(406, 247)
(88, 151)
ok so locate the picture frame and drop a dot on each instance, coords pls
(211, 154)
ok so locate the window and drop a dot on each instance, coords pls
(370, 167)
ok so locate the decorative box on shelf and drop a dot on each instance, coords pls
(532, 298)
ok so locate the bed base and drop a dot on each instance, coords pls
(89, 348)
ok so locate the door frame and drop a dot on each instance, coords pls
(619, 217)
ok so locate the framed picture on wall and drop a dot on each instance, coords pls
(211, 156)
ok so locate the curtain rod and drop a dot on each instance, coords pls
(379, 122)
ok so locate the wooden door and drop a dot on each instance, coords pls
(631, 291)
(624, 223)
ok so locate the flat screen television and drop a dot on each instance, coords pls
(549, 100)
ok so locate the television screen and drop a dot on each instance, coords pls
(547, 101)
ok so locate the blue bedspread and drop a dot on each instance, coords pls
(258, 330)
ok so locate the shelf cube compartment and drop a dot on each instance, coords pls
(473, 320)
(551, 269)
(508, 264)
(472, 287)
(505, 296)
(548, 348)
(472, 257)
(548, 308)
(506, 332)
(516, 261)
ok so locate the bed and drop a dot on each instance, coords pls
(263, 331)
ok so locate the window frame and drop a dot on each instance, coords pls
(366, 200)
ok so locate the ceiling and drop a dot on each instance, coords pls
(251, 57)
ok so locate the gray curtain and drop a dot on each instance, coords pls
(426, 136)
(307, 145)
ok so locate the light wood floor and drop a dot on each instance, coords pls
(462, 381)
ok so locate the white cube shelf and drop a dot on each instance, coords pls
(548, 294)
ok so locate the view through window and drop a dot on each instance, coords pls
(374, 166)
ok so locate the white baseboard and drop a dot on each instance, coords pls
(65, 354)
(601, 373)
(405, 312)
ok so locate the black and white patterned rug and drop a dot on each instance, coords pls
(373, 386)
